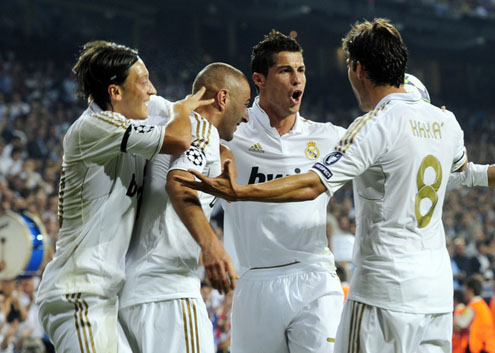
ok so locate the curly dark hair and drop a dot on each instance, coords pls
(379, 47)
(273, 43)
(100, 64)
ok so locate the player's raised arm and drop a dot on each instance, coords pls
(300, 187)
(178, 133)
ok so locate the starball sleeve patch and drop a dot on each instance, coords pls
(196, 156)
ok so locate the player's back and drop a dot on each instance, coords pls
(406, 149)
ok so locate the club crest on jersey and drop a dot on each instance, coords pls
(332, 158)
(143, 129)
(195, 155)
(312, 152)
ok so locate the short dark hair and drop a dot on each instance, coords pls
(379, 47)
(100, 64)
(459, 296)
(474, 284)
(273, 43)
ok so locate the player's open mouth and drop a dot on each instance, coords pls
(296, 96)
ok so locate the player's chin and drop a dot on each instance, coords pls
(141, 115)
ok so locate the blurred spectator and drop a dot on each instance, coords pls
(459, 335)
(478, 319)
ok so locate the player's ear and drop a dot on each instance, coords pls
(115, 92)
(359, 69)
(259, 79)
(221, 99)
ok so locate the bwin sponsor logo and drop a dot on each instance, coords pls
(259, 177)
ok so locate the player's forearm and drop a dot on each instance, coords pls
(178, 131)
(300, 187)
(188, 208)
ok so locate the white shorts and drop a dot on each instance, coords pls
(83, 323)
(290, 309)
(177, 325)
(369, 329)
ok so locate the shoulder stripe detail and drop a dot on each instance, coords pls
(351, 133)
(111, 118)
(203, 132)
(348, 139)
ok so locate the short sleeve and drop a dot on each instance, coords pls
(204, 146)
(104, 135)
(460, 154)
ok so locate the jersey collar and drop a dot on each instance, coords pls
(95, 108)
(412, 97)
(262, 118)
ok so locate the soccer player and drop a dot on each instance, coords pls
(399, 155)
(104, 154)
(289, 297)
(161, 308)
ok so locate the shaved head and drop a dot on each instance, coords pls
(217, 76)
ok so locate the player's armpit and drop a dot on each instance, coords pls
(462, 167)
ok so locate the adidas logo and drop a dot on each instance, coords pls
(256, 148)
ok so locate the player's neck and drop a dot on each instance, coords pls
(283, 123)
(377, 93)
(209, 114)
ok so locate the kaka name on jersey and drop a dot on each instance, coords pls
(258, 176)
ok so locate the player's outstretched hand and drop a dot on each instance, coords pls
(223, 186)
(191, 102)
(219, 268)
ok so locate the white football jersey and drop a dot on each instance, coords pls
(162, 261)
(269, 234)
(401, 155)
(103, 163)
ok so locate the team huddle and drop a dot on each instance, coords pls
(140, 177)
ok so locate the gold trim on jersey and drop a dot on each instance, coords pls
(82, 323)
(348, 139)
(60, 211)
(354, 343)
(191, 332)
(196, 327)
(203, 132)
(112, 118)
(185, 325)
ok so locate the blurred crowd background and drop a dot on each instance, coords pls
(451, 48)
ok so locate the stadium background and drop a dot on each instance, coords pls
(451, 48)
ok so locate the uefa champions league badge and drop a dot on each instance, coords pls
(312, 152)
